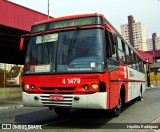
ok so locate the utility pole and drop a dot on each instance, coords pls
(48, 9)
(148, 73)
(154, 36)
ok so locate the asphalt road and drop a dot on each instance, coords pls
(135, 112)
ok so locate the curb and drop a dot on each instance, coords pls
(11, 107)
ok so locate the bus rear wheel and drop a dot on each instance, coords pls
(139, 98)
(61, 111)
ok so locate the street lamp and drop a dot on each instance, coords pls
(147, 60)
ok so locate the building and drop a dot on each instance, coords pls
(153, 43)
(6, 66)
(134, 33)
(15, 20)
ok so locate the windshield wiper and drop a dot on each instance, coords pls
(73, 41)
(45, 47)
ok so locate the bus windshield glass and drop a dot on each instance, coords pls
(79, 50)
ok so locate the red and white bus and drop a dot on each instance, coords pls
(80, 61)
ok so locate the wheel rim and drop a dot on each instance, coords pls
(120, 104)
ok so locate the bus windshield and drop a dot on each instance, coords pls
(79, 50)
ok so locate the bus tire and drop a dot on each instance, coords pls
(61, 111)
(139, 98)
(117, 110)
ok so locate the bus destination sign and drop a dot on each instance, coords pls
(68, 23)
(72, 22)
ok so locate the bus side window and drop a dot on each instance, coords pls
(127, 50)
(122, 57)
(121, 51)
(123, 47)
(108, 44)
(137, 63)
(140, 64)
(119, 43)
(111, 43)
(129, 61)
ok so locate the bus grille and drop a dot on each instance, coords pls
(67, 102)
(57, 90)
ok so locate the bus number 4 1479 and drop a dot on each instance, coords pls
(71, 81)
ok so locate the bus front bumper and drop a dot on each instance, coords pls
(86, 101)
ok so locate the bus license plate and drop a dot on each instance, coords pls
(56, 97)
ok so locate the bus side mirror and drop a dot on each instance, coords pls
(21, 44)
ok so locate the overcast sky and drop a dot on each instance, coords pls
(116, 11)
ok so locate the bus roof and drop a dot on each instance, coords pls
(69, 17)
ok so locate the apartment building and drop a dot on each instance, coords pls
(134, 33)
(5, 66)
(153, 43)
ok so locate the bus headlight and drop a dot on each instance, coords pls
(26, 87)
(94, 86)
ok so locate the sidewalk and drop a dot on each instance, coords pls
(11, 103)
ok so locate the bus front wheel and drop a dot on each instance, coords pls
(117, 110)
(61, 111)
